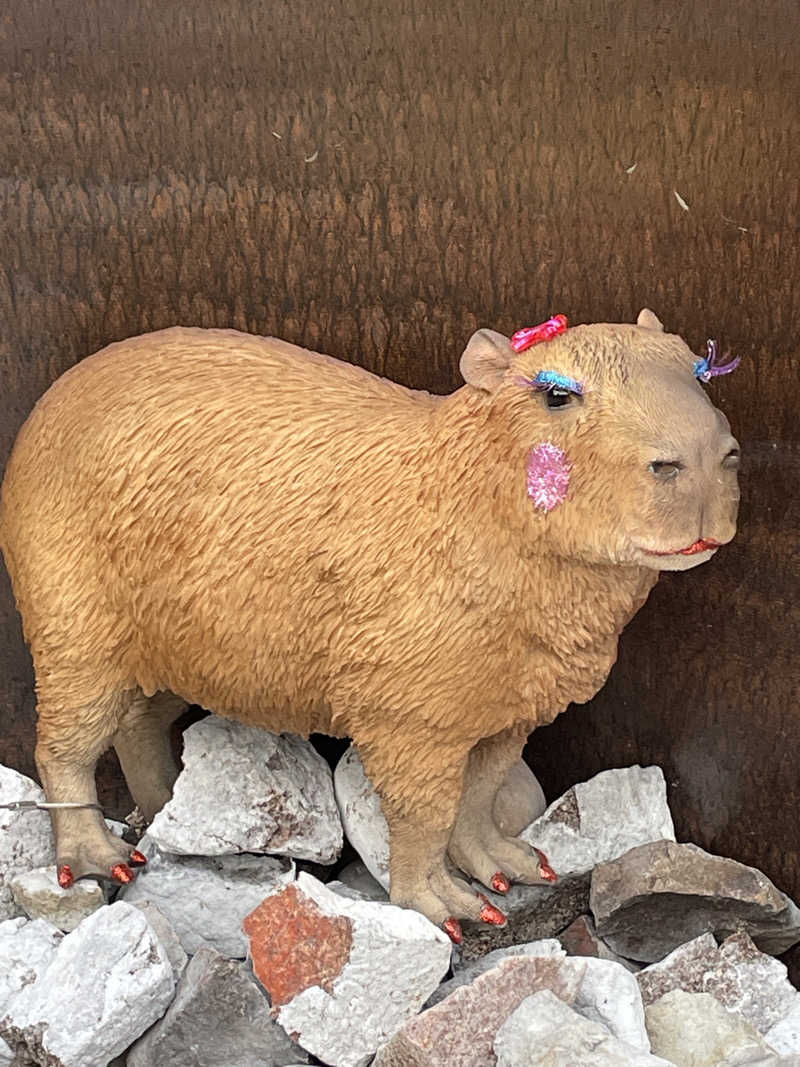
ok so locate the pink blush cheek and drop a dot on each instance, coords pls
(547, 472)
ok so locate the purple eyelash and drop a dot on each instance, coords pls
(708, 368)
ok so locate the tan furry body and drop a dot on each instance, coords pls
(295, 543)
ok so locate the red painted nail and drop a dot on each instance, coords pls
(452, 927)
(545, 870)
(138, 859)
(493, 915)
(65, 876)
(122, 873)
(500, 884)
(489, 913)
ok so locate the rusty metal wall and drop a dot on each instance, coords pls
(375, 179)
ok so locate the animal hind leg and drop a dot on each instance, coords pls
(142, 743)
(420, 811)
(477, 845)
(69, 744)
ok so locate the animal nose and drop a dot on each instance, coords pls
(664, 469)
(732, 459)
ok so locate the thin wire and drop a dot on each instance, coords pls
(33, 805)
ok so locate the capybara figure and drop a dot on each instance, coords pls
(204, 516)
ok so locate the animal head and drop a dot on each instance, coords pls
(615, 451)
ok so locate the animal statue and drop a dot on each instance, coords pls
(204, 516)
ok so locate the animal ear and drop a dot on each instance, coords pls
(649, 320)
(485, 360)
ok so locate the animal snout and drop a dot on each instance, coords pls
(665, 469)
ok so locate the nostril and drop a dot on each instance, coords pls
(732, 460)
(665, 468)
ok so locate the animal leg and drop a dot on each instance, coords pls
(420, 815)
(142, 742)
(69, 744)
(518, 801)
(477, 845)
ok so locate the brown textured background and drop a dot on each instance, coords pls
(376, 178)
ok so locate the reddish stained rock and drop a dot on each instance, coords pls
(461, 1029)
(742, 979)
(580, 939)
(294, 945)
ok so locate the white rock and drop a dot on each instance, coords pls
(741, 977)
(165, 934)
(26, 948)
(26, 839)
(362, 815)
(352, 977)
(784, 1036)
(105, 984)
(545, 1031)
(694, 1030)
(243, 789)
(609, 995)
(205, 899)
(603, 818)
(39, 895)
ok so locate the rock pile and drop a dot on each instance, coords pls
(220, 953)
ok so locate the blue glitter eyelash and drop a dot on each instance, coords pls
(546, 380)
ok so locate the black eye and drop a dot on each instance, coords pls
(558, 397)
(732, 460)
(666, 468)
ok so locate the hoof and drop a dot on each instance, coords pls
(65, 876)
(138, 859)
(545, 870)
(500, 884)
(490, 914)
(121, 872)
(452, 927)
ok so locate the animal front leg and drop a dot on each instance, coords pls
(477, 845)
(420, 811)
(69, 743)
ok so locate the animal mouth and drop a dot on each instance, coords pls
(705, 544)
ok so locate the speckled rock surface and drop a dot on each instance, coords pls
(39, 895)
(584, 827)
(461, 1029)
(243, 789)
(694, 1030)
(26, 839)
(343, 975)
(533, 911)
(205, 899)
(659, 896)
(546, 1032)
(218, 1016)
(106, 983)
(735, 973)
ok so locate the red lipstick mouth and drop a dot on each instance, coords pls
(705, 544)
